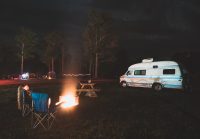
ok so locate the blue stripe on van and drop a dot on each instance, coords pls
(148, 85)
(173, 86)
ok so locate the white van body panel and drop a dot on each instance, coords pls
(166, 73)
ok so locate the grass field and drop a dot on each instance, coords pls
(117, 113)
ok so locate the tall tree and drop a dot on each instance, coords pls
(99, 39)
(54, 48)
(26, 42)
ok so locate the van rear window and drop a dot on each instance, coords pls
(168, 71)
(140, 72)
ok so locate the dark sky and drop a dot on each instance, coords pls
(144, 27)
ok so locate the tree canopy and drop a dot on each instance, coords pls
(54, 47)
(98, 39)
(27, 39)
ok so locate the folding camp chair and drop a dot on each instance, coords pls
(26, 104)
(42, 113)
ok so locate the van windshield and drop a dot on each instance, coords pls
(129, 72)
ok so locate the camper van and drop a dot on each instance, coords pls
(153, 74)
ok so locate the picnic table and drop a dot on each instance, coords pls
(88, 88)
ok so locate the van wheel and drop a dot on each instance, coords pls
(123, 84)
(157, 87)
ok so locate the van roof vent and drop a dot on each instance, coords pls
(147, 60)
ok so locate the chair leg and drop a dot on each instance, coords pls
(25, 110)
(50, 120)
(39, 120)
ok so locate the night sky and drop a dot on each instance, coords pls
(145, 28)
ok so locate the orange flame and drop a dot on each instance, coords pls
(69, 97)
(68, 101)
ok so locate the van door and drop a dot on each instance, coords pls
(128, 77)
(139, 78)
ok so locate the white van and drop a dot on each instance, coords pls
(156, 75)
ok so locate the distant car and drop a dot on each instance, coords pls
(25, 76)
(14, 76)
(50, 75)
(33, 76)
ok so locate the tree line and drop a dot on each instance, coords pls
(51, 51)
(101, 55)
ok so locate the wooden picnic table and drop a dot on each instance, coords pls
(89, 89)
(87, 85)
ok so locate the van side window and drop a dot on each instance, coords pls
(140, 72)
(155, 66)
(168, 71)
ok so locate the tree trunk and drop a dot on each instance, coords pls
(62, 61)
(96, 65)
(90, 67)
(52, 64)
(49, 66)
(22, 60)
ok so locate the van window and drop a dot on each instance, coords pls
(140, 72)
(129, 72)
(155, 66)
(168, 71)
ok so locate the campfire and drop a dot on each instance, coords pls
(69, 98)
(68, 101)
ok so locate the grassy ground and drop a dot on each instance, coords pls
(116, 113)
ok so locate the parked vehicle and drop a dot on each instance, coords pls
(50, 75)
(24, 76)
(33, 76)
(156, 75)
(14, 76)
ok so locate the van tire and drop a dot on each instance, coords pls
(157, 87)
(123, 84)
